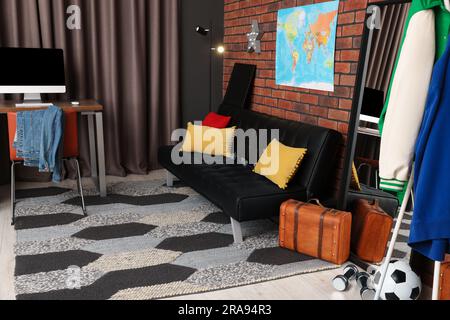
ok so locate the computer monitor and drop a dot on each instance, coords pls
(31, 72)
(372, 107)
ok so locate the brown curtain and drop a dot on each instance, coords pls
(386, 45)
(126, 56)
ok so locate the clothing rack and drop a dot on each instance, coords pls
(400, 218)
(438, 264)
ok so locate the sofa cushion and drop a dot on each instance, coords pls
(217, 121)
(210, 141)
(236, 189)
(280, 163)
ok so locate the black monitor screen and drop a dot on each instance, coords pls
(31, 67)
(373, 103)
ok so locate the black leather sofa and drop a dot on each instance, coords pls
(246, 196)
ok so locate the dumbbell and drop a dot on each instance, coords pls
(362, 279)
(341, 283)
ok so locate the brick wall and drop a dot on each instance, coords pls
(330, 110)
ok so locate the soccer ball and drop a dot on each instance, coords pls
(402, 283)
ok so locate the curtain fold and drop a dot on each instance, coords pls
(126, 56)
(386, 45)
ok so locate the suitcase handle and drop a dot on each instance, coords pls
(376, 207)
(317, 201)
(375, 202)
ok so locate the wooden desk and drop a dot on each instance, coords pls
(85, 106)
(94, 113)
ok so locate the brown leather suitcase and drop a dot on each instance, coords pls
(316, 231)
(445, 281)
(370, 231)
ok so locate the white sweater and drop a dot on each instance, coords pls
(407, 101)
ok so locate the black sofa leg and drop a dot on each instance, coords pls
(170, 178)
(237, 231)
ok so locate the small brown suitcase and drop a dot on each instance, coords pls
(370, 231)
(445, 281)
(316, 231)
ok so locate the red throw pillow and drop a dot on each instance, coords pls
(214, 120)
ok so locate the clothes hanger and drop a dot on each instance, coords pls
(447, 5)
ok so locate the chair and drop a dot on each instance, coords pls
(70, 153)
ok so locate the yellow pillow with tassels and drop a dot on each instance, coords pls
(209, 141)
(280, 163)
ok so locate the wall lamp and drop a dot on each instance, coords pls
(202, 31)
(219, 49)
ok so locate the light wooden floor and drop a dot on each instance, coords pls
(7, 239)
(316, 286)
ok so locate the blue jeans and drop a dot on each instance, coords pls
(39, 139)
(28, 137)
(51, 142)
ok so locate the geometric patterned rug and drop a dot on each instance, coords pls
(402, 250)
(144, 241)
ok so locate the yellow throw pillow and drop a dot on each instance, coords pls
(209, 141)
(280, 163)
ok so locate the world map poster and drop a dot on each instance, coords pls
(306, 41)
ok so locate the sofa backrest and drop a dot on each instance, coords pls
(322, 144)
(240, 85)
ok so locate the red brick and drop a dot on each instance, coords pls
(330, 124)
(350, 55)
(342, 92)
(347, 80)
(357, 42)
(352, 30)
(343, 128)
(346, 18)
(309, 119)
(319, 111)
(345, 104)
(301, 107)
(342, 67)
(355, 5)
(278, 94)
(344, 43)
(328, 102)
(271, 102)
(284, 104)
(338, 115)
(308, 98)
(294, 116)
(293, 96)
(360, 16)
